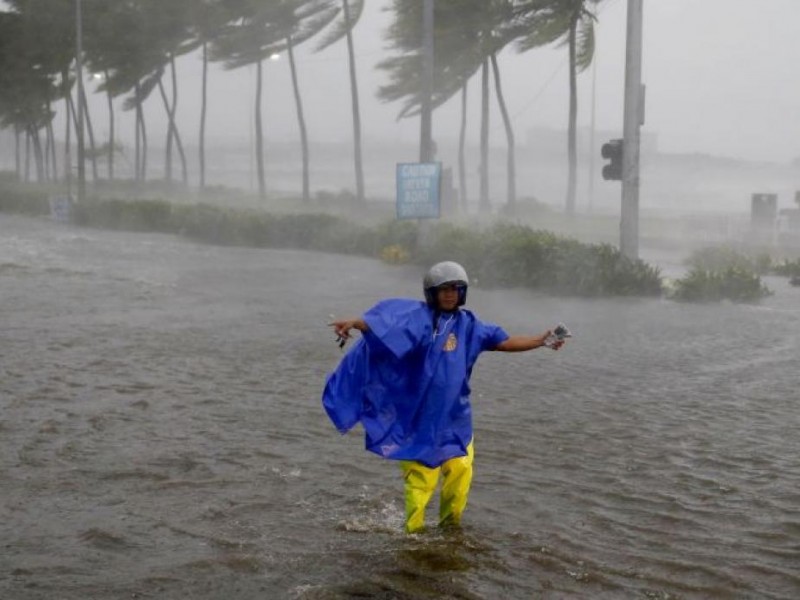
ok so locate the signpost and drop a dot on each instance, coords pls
(418, 190)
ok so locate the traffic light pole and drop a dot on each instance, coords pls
(633, 119)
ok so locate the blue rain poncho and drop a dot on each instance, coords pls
(407, 381)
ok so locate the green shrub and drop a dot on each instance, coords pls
(788, 268)
(733, 283)
(128, 215)
(509, 255)
(23, 200)
(720, 258)
(503, 255)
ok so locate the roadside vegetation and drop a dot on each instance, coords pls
(499, 255)
(723, 273)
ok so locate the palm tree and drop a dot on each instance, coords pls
(120, 43)
(209, 17)
(248, 39)
(466, 34)
(511, 191)
(264, 30)
(27, 80)
(351, 14)
(570, 22)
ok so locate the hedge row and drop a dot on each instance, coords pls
(501, 255)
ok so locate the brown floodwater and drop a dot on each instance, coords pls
(161, 436)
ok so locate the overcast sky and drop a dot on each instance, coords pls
(721, 78)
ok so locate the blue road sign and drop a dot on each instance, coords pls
(418, 187)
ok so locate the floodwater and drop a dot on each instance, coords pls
(161, 436)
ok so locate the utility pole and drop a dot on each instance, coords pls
(426, 126)
(79, 78)
(592, 130)
(633, 120)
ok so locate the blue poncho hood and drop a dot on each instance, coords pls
(407, 381)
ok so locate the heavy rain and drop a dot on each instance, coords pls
(192, 191)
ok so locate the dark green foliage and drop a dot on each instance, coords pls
(19, 199)
(504, 255)
(736, 283)
(517, 256)
(139, 215)
(788, 268)
(249, 228)
(719, 258)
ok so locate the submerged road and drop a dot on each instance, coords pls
(161, 436)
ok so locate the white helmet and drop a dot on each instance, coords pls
(442, 273)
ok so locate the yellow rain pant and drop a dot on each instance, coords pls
(420, 485)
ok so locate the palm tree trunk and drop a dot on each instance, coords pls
(27, 155)
(17, 153)
(462, 140)
(262, 185)
(573, 117)
(204, 100)
(38, 156)
(485, 206)
(51, 141)
(301, 122)
(67, 136)
(511, 158)
(168, 152)
(73, 114)
(357, 155)
(172, 129)
(47, 163)
(138, 163)
(41, 173)
(90, 129)
(141, 137)
(144, 144)
(173, 133)
(178, 144)
(111, 139)
(51, 145)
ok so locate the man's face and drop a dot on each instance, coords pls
(447, 297)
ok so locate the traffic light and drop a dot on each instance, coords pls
(612, 150)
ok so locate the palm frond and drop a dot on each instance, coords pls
(340, 29)
(585, 42)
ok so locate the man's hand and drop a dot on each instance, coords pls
(342, 329)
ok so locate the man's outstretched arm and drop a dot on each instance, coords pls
(521, 343)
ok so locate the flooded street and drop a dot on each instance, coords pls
(161, 436)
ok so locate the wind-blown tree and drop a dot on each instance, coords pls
(121, 44)
(350, 15)
(570, 22)
(133, 43)
(176, 34)
(263, 30)
(27, 80)
(208, 19)
(466, 34)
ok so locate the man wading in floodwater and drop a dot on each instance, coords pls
(407, 382)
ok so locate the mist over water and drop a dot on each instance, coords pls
(161, 435)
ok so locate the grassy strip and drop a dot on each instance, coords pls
(723, 273)
(733, 283)
(502, 255)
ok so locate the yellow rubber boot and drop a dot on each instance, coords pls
(457, 474)
(420, 484)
